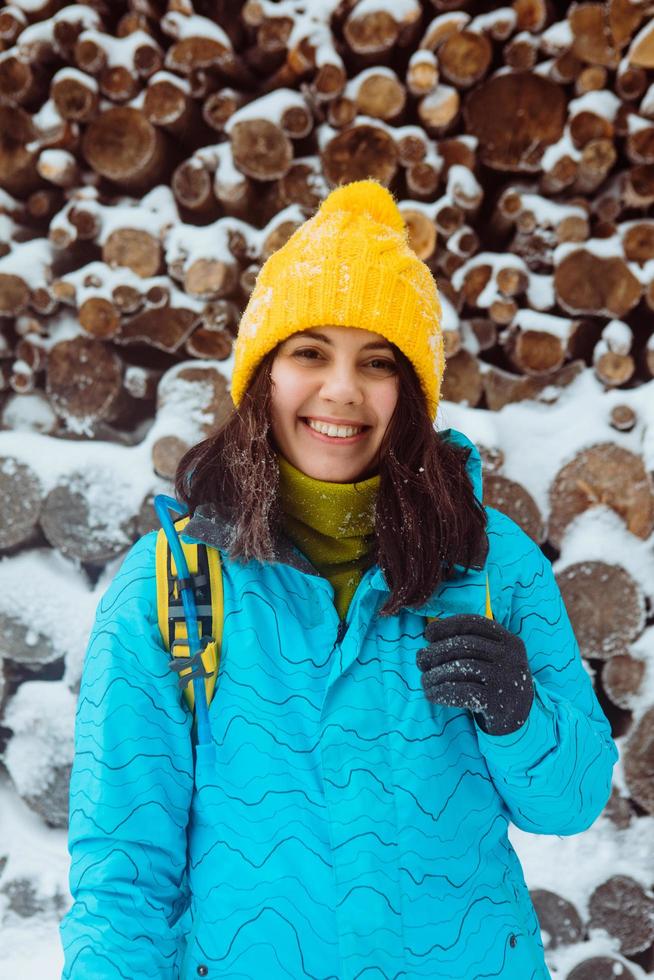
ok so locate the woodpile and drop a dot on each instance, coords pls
(154, 153)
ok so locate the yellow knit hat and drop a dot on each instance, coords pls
(349, 265)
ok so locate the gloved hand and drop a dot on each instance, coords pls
(474, 662)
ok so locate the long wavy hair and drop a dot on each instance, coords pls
(427, 517)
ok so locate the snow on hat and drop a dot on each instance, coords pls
(349, 265)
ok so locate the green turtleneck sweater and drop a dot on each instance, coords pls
(332, 524)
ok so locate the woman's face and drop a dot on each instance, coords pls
(333, 376)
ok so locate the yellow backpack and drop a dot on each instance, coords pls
(205, 570)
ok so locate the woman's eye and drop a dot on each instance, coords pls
(304, 351)
(386, 365)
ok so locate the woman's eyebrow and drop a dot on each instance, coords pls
(374, 344)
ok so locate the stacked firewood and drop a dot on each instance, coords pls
(153, 155)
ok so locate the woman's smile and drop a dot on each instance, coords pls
(330, 432)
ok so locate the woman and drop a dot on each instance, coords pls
(351, 817)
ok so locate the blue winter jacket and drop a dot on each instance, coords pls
(340, 826)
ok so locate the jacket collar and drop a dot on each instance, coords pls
(208, 527)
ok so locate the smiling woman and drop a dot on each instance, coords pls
(344, 810)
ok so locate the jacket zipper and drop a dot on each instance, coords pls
(342, 630)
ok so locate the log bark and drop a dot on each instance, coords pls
(641, 51)
(376, 92)
(14, 294)
(99, 318)
(23, 496)
(607, 475)
(193, 187)
(260, 149)
(533, 352)
(221, 314)
(359, 152)
(22, 83)
(442, 27)
(606, 606)
(59, 167)
(517, 503)
(18, 174)
(622, 679)
(559, 919)
(123, 146)
(622, 418)
(462, 379)
(167, 452)
(220, 106)
(502, 388)
(209, 344)
(28, 648)
(83, 382)
(623, 908)
(638, 241)
(515, 116)
(302, 184)
(618, 810)
(589, 283)
(377, 32)
(601, 968)
(212, 394)
(637, 762)
(135, 249)
(597, 159)
(422, 73)
(639, 145)
(612, 361)
(521, 52)
(77, 525)
(201, 45)
(422, 232)
(164, 330)
(211, 278)
(168, 103)
(12, 22)
(439, 110)
(464, 58)
(638, 188)
(41, 206)
(423, 178)
(142, 382)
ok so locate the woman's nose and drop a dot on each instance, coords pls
(342, 384)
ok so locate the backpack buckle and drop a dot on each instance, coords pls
(195, 663)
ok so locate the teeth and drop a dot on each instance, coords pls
(341, 431)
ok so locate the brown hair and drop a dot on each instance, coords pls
(427, 517)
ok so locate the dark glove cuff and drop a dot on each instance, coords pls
(507, 724)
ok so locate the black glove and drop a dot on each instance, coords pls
(474, 662)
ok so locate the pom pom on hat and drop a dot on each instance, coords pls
(367, 197)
